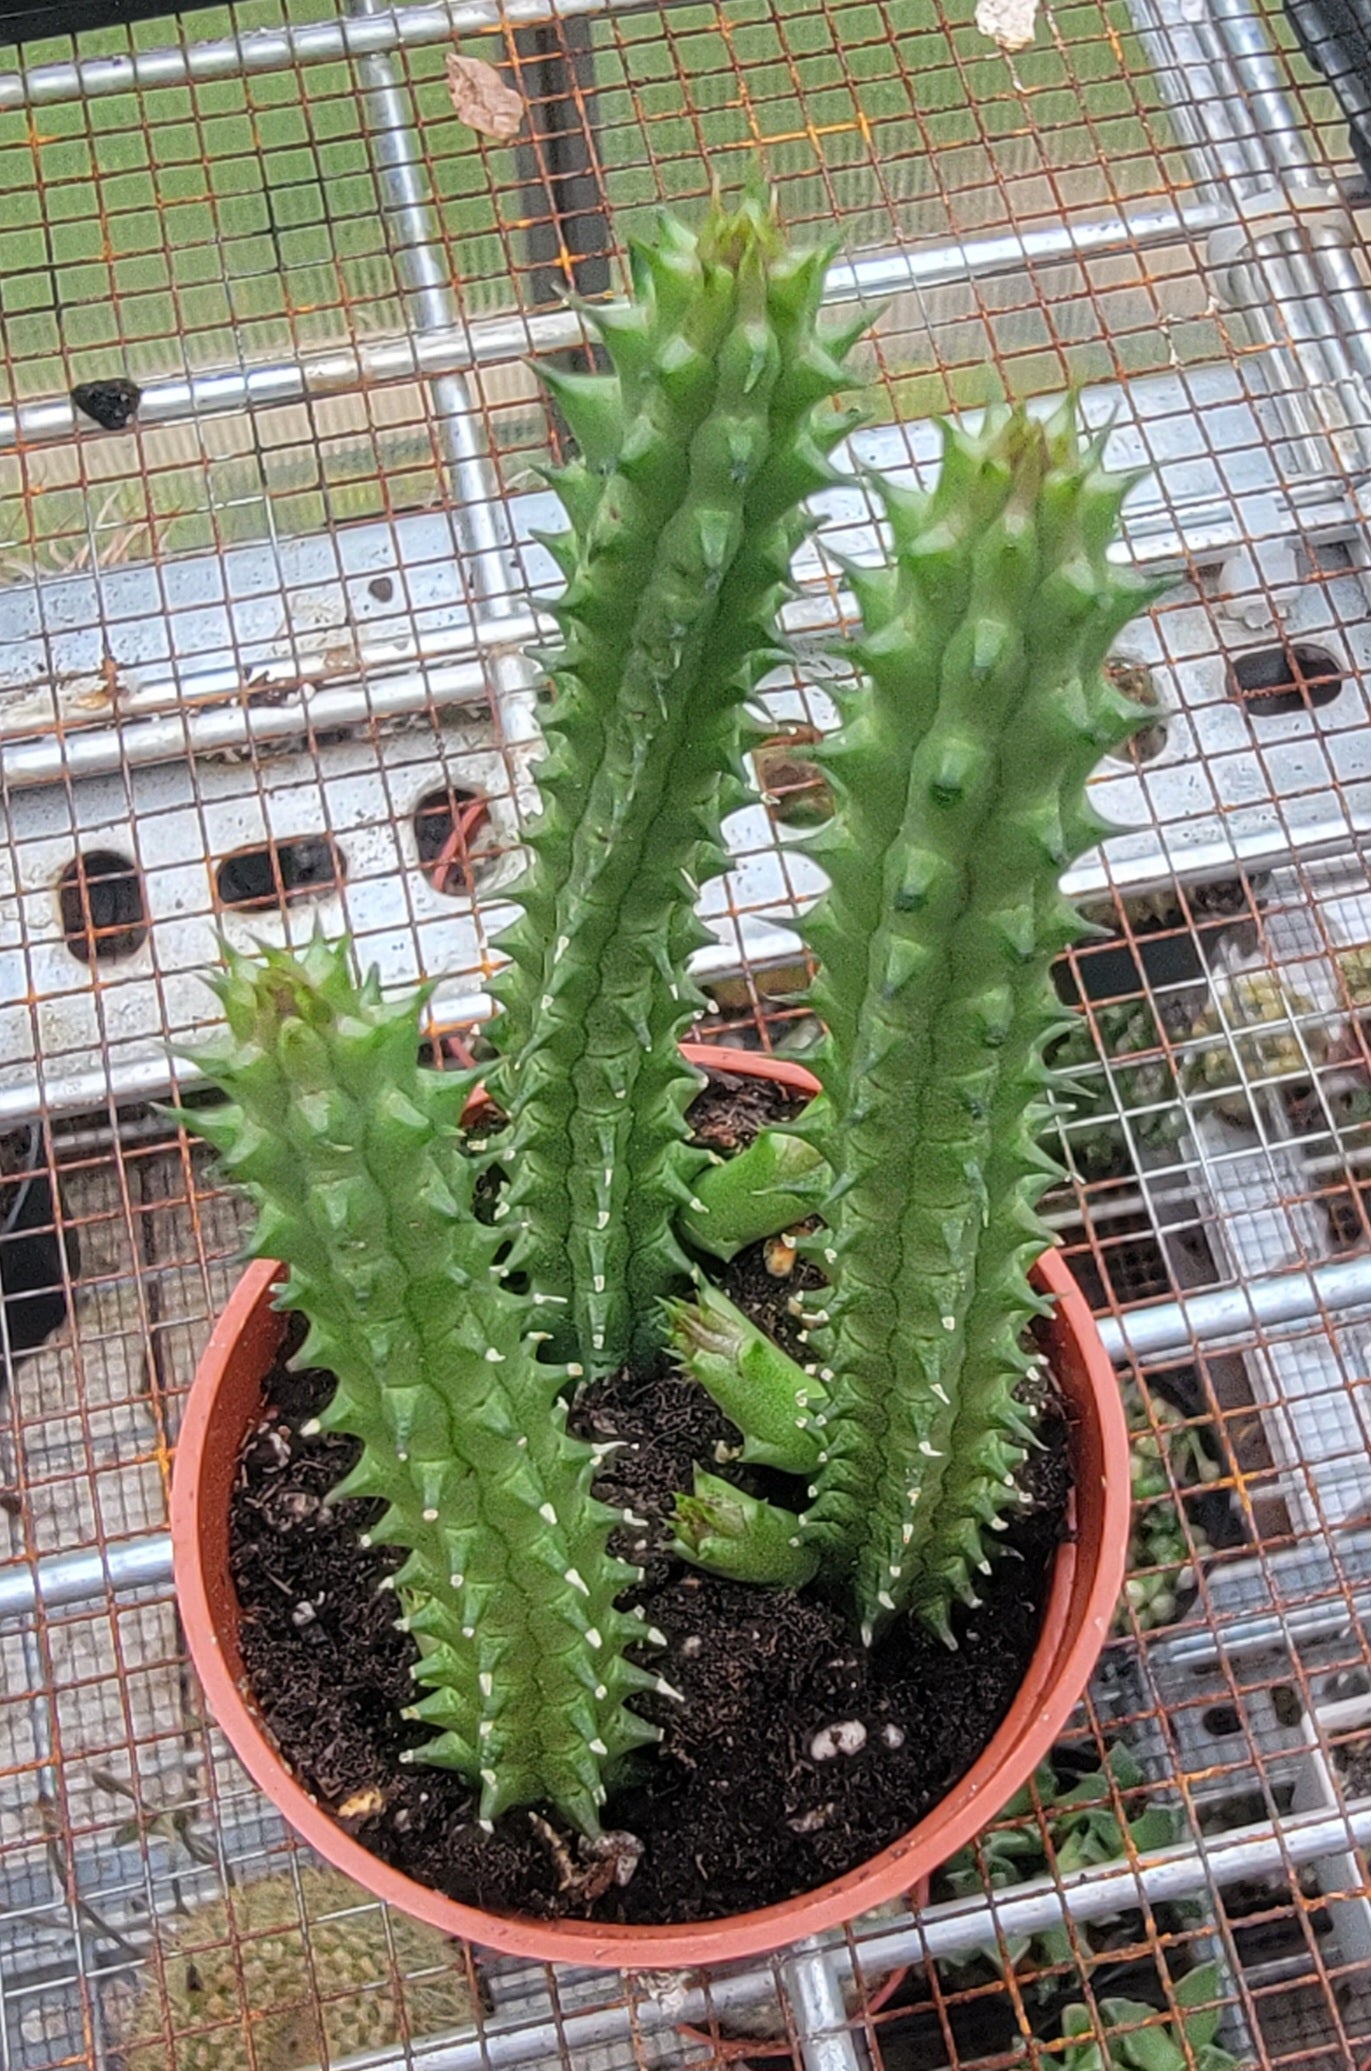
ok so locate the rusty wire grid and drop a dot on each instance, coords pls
(268, 572)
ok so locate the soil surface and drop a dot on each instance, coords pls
(744, 1803)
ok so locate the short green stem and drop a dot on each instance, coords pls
(730, 1533)
(777, 1181)
(771, 1399)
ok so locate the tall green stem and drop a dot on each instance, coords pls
(685, 506)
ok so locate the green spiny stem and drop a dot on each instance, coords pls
(779, 1180)
(685, 507)
(348, 1146)
(723, 1529)
(769, 1397)
(959, 770)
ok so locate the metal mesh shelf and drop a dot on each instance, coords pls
(262, 663)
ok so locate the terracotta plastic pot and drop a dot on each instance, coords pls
(225, 1404)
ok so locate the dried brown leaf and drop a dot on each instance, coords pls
(482, 99)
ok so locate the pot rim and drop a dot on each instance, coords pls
(1076, 1624)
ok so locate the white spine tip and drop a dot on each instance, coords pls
(574, 1370)
(430, 1516)
(547, 1513)
(311, 1428)
(495, 1358)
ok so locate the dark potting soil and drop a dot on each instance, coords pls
(730, 1110)
(745, 1802)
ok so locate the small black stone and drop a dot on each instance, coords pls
(112, 404)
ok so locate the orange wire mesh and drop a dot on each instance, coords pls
(261, 663)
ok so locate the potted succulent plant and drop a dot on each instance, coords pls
(472, 1296)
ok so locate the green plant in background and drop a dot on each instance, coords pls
(959, 775)
(1136, 2040)
(242, 1983)
(1055, 1826)
(1166, 1453)
(1256, 1032)
(1092, 1104)
(685, 507)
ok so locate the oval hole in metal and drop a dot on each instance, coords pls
(1274, 681)
(1285, 1703)
(100, 901)
(449, 826)
(276, 873)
